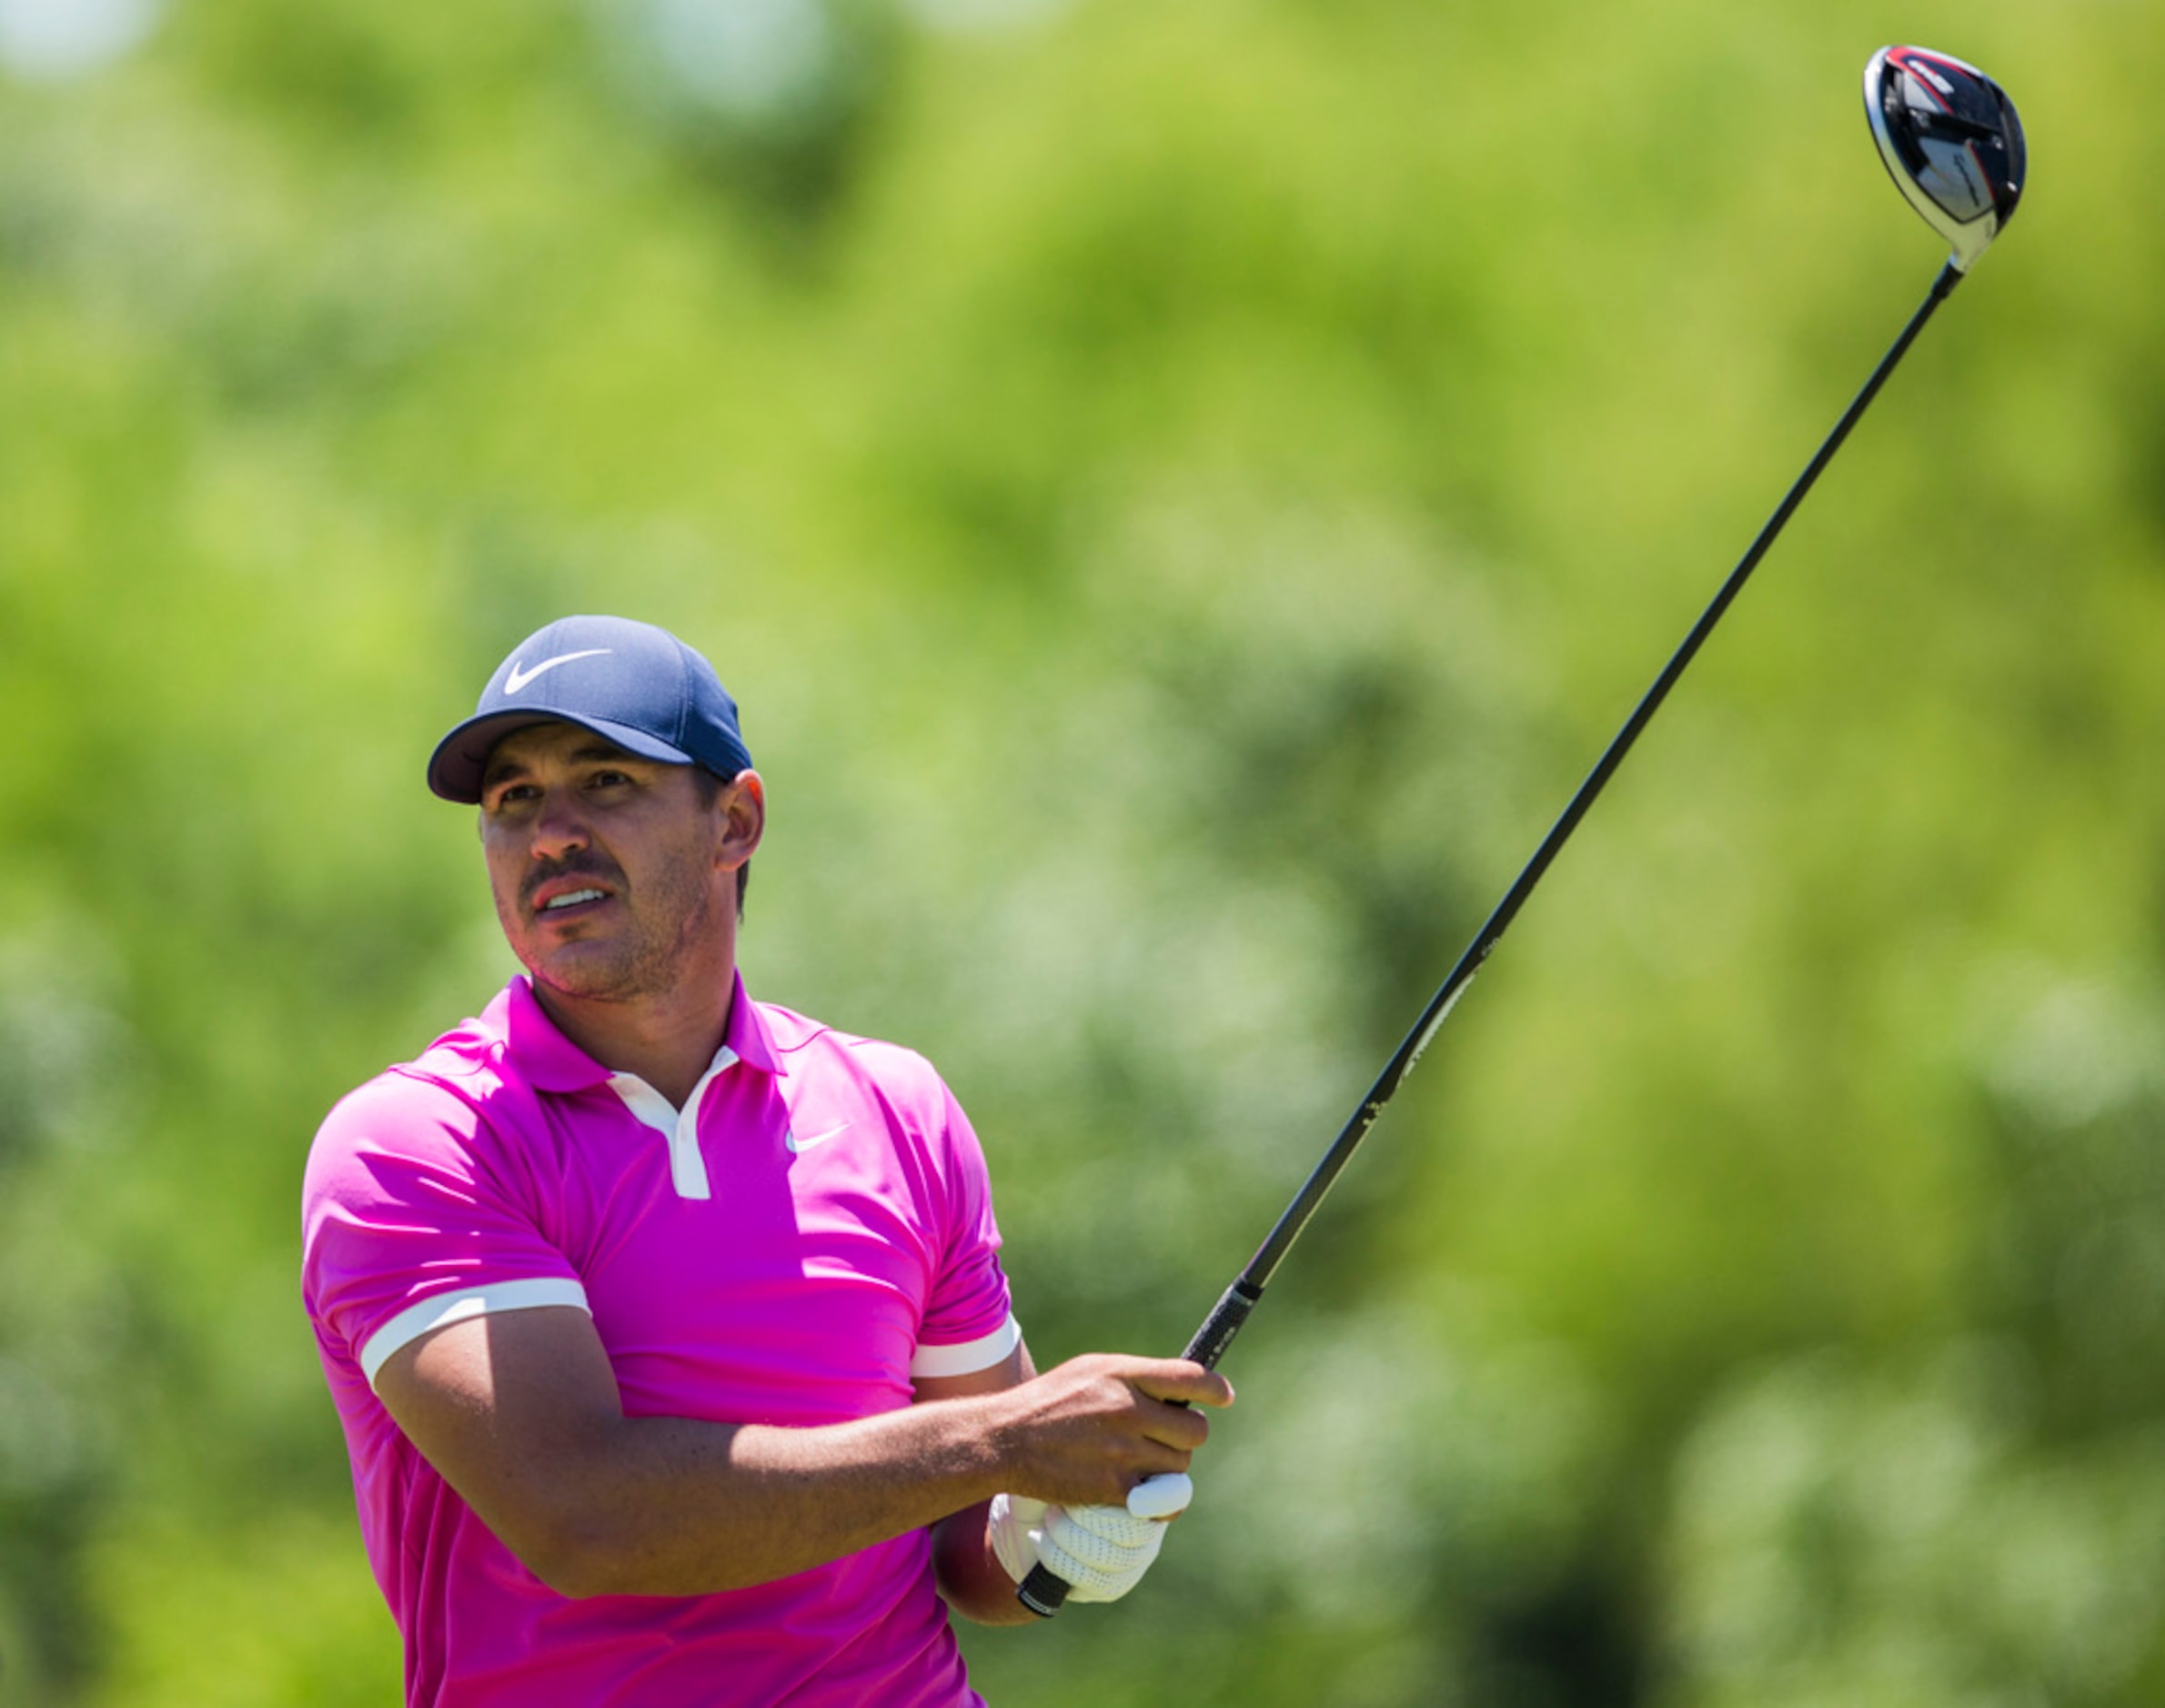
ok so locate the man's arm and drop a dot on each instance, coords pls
(519, 1411)
(970, 1574)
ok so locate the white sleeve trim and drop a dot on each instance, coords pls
(970, 1357)
(443, 1309)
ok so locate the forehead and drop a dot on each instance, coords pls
(552, 743)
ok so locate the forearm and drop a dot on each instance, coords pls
(673, 1506)
(519, 1411)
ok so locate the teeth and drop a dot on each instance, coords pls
(571, 899)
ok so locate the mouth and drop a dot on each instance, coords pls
(570, 904)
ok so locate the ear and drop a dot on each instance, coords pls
(741, 808)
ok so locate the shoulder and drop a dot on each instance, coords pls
(821, 1062)
(429, 1107)
(802, 1044)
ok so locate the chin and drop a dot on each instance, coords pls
(592, 978)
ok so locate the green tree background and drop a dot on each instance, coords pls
(1182, 492)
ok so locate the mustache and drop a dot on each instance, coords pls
(578, 865)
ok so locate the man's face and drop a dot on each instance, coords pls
(614, 879)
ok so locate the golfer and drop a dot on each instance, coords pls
(666, 1326)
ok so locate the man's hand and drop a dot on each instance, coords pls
(1101, 1551)
(1088, 1432)
(1098, 1434)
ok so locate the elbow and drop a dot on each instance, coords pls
(580, 1575)
(575, 1582)
(575, 1575)
(576, 1555)
(581, 1559)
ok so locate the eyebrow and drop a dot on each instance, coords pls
(595, 752)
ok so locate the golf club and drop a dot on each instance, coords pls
(1951, 141)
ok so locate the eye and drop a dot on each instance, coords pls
(511, 795)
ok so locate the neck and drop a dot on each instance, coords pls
(668, 1040)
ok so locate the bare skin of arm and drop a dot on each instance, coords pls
(970, 1574)
(519, 1411)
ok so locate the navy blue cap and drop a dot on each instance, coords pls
(632, 683)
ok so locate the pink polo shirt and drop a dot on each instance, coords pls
(814, 1230)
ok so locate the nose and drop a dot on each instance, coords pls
(560, 828)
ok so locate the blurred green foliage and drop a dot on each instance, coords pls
(1181, 493)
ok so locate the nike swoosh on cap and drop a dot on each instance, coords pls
(795, 1143)
(519, 678)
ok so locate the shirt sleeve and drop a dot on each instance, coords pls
(410, 1221)
(969, 1323)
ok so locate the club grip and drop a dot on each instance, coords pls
(1224, 1321)
(1043, 1591)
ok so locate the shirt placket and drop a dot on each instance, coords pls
(680, 1127)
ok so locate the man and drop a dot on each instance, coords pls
(667, 1327)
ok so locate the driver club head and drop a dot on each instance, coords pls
(1951, 141)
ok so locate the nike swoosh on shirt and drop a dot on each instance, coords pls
(519, 678)
(795, 1143)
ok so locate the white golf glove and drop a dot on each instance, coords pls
(1101, 1551)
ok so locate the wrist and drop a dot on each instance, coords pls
(967, 1442)
(1010, 1524)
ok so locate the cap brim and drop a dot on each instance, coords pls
(455, 768)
